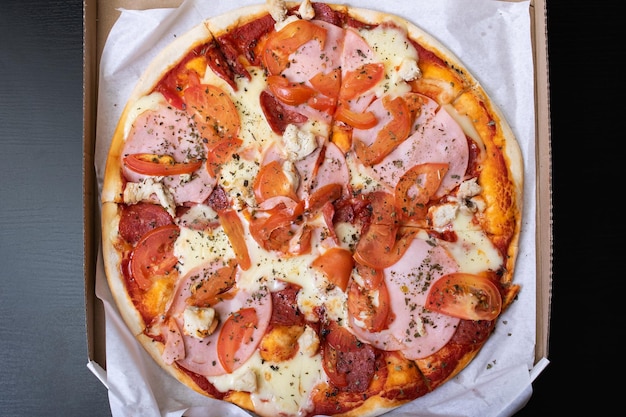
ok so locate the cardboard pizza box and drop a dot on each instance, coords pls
(99, 18)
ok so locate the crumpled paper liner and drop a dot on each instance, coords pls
(493, 40)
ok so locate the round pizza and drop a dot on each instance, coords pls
(311, 209)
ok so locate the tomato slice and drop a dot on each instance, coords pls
(364, 120)
(274, 228)
(237, 330)
(154, 255)
(212, 290)
(383, 242)
(288, 92)
(236, 235)
(272, 181)
(327, 84)
(356, 82)
(390, 136)
(336, 263)
(279, 45)
(467, 296)
(416, 187)
(190, 68)
(337, 336)
(337, 339)
(318, 199)
(369, 306)
(215, 113)
(371, 277)
(159, 165)
(382, 245)
(323, 103)
(220, 154)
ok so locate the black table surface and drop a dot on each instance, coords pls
(43, 349)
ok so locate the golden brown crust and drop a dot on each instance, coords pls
(443, 79)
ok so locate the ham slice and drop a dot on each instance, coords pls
(416, 332)
(200, 354)
(437, 138)
(168, 131)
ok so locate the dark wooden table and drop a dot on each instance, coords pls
(43, 351)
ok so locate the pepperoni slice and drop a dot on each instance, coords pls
(138, 219)
(341, 350)
(278, 116)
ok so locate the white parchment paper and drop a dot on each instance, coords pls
(492, 38)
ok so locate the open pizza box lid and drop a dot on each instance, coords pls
(480, 33)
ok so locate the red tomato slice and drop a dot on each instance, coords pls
(371, 277)
(330, 357)
(369, 306)
(215, 113)
(220, 154)
(467, 296)
(336, 264)
(323, 103)
(382, 245)
(213, 289)
(236, 235)
(356, 82)
(383, 242)
(281, 44)
(179, 77)
(337, 339)
(154, 255)
(159, 165)
(321, 196)
(389, 137)
(264, 227)
(364, 120)
(416, 188)
(272, 181)
(327, 84)
(288, 92)
(237, 330)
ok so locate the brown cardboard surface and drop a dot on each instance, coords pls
(100, 16)
(544, 174)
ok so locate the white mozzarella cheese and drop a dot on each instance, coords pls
(199, 322)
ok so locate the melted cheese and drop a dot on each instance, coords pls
(195, 247)
(399, 56)
(134, 192)
(274, 386)
(255, 134)
(473, 250)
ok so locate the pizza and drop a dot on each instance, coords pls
(311, 209)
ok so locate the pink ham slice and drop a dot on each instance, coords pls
(200, 355)
(310, 59)
(416, 332)
(168, 131)
(357, 52)
(437, 138)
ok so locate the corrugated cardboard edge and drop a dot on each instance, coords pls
(94, 311)
(98, 20)
(544, 177)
